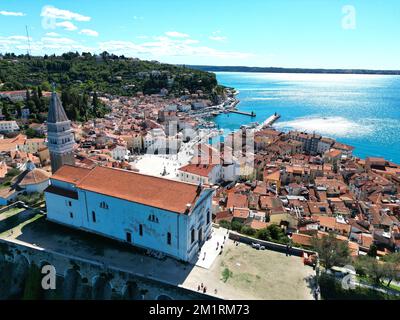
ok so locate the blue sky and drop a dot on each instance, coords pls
(282, 33)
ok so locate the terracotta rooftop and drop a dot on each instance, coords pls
(70, 174)
(202, 170)
(34, 176)
(151, 191)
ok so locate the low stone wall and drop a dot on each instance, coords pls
(267, 244)
(10, 206)
(79, 278)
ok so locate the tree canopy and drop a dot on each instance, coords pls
(331, 251)
(104, 73)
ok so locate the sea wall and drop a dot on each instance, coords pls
(77, 278)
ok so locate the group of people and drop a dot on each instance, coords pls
(202, 288)
(222, 246)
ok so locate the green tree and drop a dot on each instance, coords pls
(392, 268)
(6, 112)
(263, 234)
(225, 224)
(248, 231)
(236, 226)
(373, 250)
(95, 104)
(372, 268)
(331, 251)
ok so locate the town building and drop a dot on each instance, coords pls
(8, 126)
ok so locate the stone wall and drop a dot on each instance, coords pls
(77, 278)
(267, 244)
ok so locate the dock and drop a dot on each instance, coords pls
(251, 114)
(269, 122)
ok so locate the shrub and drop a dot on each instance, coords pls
(248, 231)
(225, 224)
(226, 274)
(236, 226)
(263, 234)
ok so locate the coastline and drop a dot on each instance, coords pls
(245, 69)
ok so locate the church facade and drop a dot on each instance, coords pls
(167, 216)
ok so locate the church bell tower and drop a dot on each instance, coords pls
(59, 134)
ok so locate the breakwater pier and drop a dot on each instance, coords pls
(268, 122)
(251, 114)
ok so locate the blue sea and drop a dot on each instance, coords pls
(360, 110)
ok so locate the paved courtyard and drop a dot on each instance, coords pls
(252, 274)
(211, 248)
(154, 165)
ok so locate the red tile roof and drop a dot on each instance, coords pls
(202, 170)
(151, 191)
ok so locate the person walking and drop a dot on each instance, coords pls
(316, 293)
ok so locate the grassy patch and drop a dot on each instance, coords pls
(245, 278)
(10, 213)
(226, 274)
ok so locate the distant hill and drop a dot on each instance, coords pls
(292, 70)
(104, 73)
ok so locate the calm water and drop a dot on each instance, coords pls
(360, 110)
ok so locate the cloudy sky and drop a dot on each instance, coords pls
(282, 33)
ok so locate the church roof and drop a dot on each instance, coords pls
(34, 176)
(127, 185)
(56, 110)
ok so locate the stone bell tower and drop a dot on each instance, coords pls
(59, 134)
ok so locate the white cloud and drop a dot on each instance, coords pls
(67, 25)
(46, 45)
(10, 42)
(218, 38)
(175, 34)
(155, 48)
(137, 18)
(52, 34)
(47, 40)
(167, 47)
(23, 38)
(55, 13)
(11, 13)
(89, 32)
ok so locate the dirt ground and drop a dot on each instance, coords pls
(254, 274)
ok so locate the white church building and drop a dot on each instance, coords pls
(167, 216)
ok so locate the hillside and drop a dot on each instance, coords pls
(105, 73)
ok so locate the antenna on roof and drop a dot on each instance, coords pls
(29, 42)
